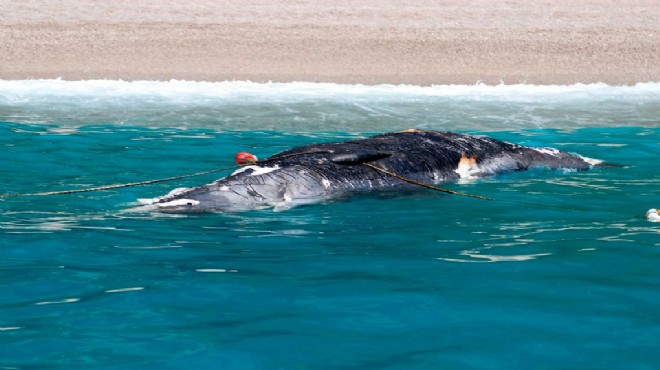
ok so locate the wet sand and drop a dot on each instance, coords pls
(370, 42)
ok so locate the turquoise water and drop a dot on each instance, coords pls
(417, 280)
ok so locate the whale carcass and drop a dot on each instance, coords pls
(315, 172)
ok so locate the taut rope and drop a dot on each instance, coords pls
(113, 186)
(436, 188)
(432, 187)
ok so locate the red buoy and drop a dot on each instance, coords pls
(245, 159)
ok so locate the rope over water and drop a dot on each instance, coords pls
(240, 161)
(432, 187)
(113, 186)
(436, 188)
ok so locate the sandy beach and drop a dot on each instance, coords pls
(371, 42)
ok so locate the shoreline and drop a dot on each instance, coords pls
(425, 43)
(301, 85)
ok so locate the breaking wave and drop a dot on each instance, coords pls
(304, 106)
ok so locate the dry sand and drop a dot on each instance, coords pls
(368, 41)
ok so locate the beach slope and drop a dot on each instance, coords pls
(370, 42)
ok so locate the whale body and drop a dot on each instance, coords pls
(315, 172)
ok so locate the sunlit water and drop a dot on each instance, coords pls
(560, 272)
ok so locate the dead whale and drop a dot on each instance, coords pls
(316, 172)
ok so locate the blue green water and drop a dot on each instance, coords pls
(417, 280)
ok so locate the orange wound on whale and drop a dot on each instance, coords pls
(467, 161)
(245, 159)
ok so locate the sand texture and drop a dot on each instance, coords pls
(346, 41)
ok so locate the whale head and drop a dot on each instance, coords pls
(251, 187)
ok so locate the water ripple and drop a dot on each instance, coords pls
(478, 257)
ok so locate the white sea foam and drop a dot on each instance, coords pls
(21, 91)
(306, 106)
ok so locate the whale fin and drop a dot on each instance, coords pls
(357, 158)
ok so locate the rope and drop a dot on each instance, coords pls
(147, 182)
(432, 187)
(414, 182)
(113, 186)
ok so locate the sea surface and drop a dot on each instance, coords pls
(561, 271)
